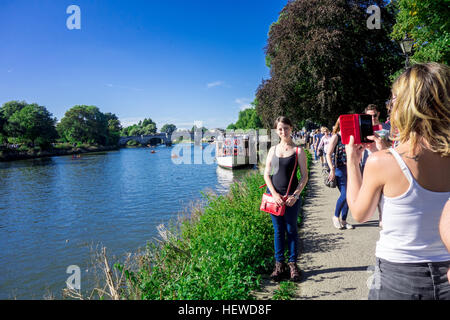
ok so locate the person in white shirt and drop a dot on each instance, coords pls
(411, 183)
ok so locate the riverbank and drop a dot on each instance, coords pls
(219, 251)
(13, 155)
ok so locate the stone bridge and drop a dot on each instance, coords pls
(152, 139)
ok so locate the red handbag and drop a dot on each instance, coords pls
(268, 203)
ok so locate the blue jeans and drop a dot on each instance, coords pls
(286, 225)
(341, 182)
(410, 281)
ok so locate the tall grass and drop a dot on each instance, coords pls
(218, 253)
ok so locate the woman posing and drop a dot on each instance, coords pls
(412, 184)
(279, 167)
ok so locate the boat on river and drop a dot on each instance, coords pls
(233, 152)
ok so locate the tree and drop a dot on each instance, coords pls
(114, 128)
(248, 119)
(427, 22)
(33, 123)
(169, 128)
(325, 61)
(85, 124)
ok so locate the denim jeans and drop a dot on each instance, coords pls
(286, 225)
(341, 182)
(410, 281)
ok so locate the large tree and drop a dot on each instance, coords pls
(248, 119)
(325, 61)
(427, 22)
(33, 123)
(84, 124)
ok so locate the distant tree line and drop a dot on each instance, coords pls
(34, 125)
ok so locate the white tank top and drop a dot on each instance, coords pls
(410, 231)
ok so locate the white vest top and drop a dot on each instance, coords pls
(410, 231)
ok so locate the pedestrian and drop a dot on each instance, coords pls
(317, 138)
(323, 146)
(280, 164)
(337, 160)
(411, 183)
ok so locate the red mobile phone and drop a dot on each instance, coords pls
(357, 125)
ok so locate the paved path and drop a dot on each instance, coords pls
(334, 262)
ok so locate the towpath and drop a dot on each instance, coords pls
(335, 264)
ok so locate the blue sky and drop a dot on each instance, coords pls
(171, 61)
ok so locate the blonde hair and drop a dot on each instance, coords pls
(421, 109)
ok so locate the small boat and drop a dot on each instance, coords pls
(233, 152)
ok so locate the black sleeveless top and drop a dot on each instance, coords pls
(280, 179)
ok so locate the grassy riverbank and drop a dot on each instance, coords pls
(63, 149)
(219, 252)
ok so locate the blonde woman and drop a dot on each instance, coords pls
(411, 183)
(280, 164)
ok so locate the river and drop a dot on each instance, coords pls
(55, 211)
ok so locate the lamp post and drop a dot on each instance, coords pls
(406, 44)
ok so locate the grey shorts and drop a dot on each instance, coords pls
(410, 281)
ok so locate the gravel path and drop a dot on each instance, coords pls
(335, 264)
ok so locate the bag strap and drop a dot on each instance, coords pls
(296, 156)
(293, 171)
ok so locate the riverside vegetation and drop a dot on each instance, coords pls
(219, 252)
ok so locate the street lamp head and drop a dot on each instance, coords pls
(406, 44)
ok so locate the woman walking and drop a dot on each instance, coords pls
(337, 161)
(280, 164)
(411, 183)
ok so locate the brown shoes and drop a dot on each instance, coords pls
(283, 271)
(295, 273)
(280, 271)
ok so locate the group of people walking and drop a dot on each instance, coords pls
(407, 178)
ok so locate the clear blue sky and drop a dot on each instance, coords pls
(171, 61)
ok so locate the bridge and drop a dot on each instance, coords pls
(151, 139)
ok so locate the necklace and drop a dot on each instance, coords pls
(285, 147)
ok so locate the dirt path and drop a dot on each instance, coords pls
(335, 263)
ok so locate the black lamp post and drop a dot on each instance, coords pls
(406, 44)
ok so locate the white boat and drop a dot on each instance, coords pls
(232, 152)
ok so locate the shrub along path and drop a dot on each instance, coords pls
(334, 263)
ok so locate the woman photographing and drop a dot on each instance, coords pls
(411, 183)
(280, 163)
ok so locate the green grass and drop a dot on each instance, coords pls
(286, 291)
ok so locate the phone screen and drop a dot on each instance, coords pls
(366, 128)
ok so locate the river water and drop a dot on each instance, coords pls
(55, 211)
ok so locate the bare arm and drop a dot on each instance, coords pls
(268, 180)
(444, 225)
(363, 194)
(302, 162)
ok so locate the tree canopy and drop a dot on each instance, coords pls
(325, 61)
(25, 123)
(169, 128)
(145, 127)
(88, 125)
(248, 119)
(427, 22)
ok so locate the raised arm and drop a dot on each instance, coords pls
(363, 195)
